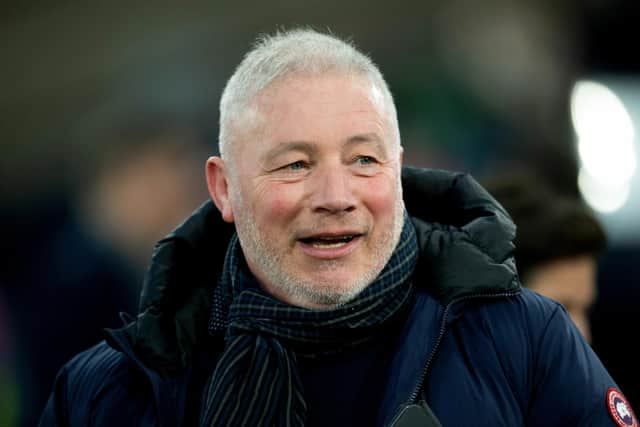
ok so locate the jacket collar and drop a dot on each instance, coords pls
(465, 240)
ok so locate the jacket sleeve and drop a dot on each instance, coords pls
(102, 387)
(77, 385)
(570, 384)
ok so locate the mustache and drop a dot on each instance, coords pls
(333, 225)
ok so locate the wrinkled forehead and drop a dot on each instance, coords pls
(310, 98)
(304, 81)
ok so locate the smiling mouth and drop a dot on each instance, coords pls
(328, 242)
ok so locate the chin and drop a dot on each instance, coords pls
(327, 293)
(338, 283)
(328, 300)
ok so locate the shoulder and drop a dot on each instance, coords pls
(544, 354)
(523, 316)
(96, 366)
(522, 312)
(520, 332)
(532, 308)
(95, 379)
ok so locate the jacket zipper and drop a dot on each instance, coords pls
(413, 398)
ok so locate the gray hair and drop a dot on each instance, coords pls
(299, 51)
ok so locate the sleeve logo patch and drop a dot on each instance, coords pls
(619, 409)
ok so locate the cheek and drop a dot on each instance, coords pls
(275, 204)
(279, 207)
(380, 197)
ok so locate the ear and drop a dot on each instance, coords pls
(218, 185)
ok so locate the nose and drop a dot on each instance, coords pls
(332, 191)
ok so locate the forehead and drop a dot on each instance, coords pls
(319, 85)
(320, 107)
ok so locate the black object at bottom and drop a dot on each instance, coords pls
(416, 415)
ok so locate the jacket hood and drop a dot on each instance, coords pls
(465, 235)
(465, 240)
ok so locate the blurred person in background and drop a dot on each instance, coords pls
(143, 180)
(82, 260)
(63, 286)
(558, 243)
(326, 285)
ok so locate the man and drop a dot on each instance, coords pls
(557, 245)
(321, 301)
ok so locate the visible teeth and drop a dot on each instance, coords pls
(328, 242)
(327, 245)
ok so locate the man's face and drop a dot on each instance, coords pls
(571, 282)
(315, 194)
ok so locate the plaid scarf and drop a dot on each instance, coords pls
(256, 380)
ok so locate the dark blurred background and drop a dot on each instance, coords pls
(108, 111)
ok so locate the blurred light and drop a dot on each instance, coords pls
(597, 112)
(606, 162)
(605, 197)
(605, 145)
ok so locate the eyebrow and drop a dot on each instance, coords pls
(285, 147)
(310, 148)
(366, 138)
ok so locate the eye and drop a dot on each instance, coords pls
(296, 166)
(366, 160)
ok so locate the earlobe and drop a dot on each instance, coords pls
(218, 185)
